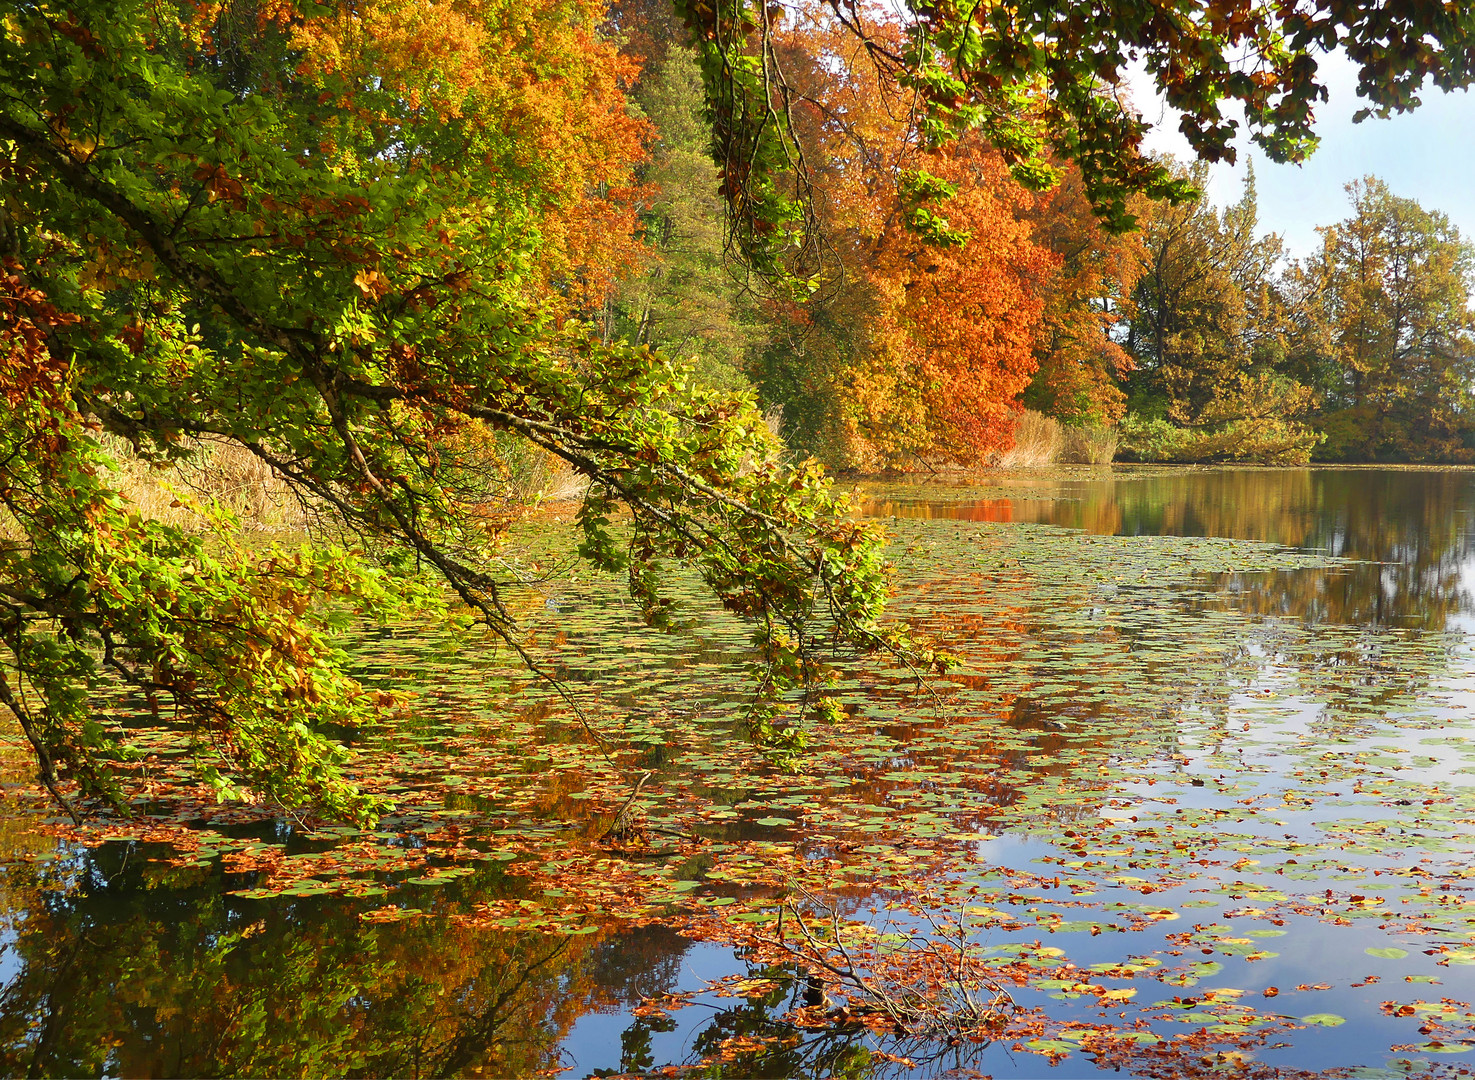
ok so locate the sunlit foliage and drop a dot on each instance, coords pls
(353, 241)
(1393, 288)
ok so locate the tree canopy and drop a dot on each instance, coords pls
(1363, 351)
(368, 245)
(1038, 79)
(1393, 283)
(351, 241)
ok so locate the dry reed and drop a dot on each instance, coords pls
(222, 471)
(1037, 443)
(515, 477)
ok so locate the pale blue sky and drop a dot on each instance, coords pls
(1428, 155)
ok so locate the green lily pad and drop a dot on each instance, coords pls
(1434, 1047)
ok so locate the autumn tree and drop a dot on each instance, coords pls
(1391, 289)
(1088, 304)
(352, 239)
(955, 334)
(919, 342)
(347, 240)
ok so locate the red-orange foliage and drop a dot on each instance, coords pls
(1088, 295)
(945, 344)
(954, 338)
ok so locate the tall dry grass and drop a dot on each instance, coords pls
(505, 475)
(1037, 442)
(222, 471)
(773, 420)
(519, 474)
(548, 479)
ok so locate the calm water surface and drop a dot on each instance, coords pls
(1254, 757)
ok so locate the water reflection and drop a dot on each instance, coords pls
(121, 965)
(1081, 693)
(127, 967)
(1410, 527)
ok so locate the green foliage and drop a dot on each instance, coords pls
(1390, 314)
(769, 211)
(1036, 81)
(1253, 419)
(328, 254)
(1218, 337)
(687, 300)
(1195, 321)
(1259, 441)
(1368, 343)
(919, 187)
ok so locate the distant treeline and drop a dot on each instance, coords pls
(950, 298)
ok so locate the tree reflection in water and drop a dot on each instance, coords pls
(118, 966)
(1410, 527)
(1082, 680)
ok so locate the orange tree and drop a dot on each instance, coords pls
(957, 288)
(961, 317)
(1087, 301)
(925, 336)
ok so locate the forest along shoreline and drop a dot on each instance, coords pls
(309, 312)
(1166, 785)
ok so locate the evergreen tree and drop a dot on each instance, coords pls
(685, 300)
(1208, 338)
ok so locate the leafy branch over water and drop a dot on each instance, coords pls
(317, 257)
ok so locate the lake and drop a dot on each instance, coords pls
(1197, 799)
